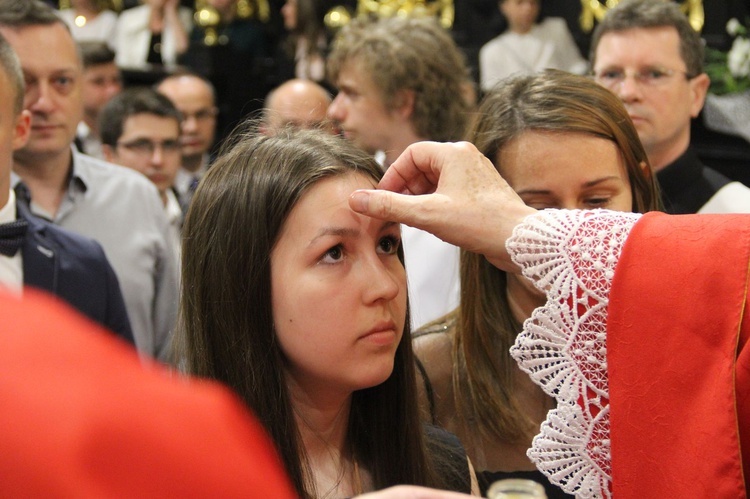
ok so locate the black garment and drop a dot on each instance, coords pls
(455, 465)
(154, 50)
(235, 65)
(687, 184)
(75, 269)
(12, 236)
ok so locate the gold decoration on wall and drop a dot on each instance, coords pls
(208, 19)
(594, 10)
(337, 18)
(442, 9)
(695, 13)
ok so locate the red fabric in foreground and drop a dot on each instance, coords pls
(81, 416)
(677, 335)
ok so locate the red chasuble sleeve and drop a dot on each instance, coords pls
(678, 359)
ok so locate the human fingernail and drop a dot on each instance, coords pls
(359, 201)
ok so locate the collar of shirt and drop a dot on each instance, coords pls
(11, 268)
(77, 181)
(83, 131)
(8, 212)
(184, 177)
(172, 209)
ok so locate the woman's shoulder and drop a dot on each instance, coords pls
(433, 346)
(433, 349)
(436, 335)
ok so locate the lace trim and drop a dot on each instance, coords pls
(571, 255)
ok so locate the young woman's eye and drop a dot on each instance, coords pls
(333, 255)
(597, 202)
(389, 245)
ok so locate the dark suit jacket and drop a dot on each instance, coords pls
(75, 269)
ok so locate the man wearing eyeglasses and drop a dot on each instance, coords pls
(140, 129)
(115, 206)
(194, 96)
(647, 53)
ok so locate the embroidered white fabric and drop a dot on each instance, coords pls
(571, 256)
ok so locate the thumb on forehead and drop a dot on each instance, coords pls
(386, 205)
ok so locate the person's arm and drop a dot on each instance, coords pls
(452, 191)
(571, 255)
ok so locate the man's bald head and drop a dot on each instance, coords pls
(296, 103)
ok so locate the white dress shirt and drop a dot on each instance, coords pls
(432, 274)
(121, 210)
(173, 211)
(11, 267)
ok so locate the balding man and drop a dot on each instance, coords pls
(194, 97)
(297, 103)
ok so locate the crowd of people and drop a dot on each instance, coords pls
(354, 340)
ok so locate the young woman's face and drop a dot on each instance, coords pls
(561, 170)
(566, 170)
(338, 290)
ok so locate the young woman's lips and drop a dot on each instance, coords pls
(384, 333)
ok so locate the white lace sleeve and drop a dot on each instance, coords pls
(571, 255)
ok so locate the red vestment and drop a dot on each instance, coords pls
(678, 358)
(643, 341)
(81, 416)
